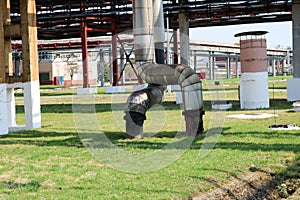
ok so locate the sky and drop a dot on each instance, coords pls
(280, 33)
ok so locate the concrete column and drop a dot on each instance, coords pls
(102, 71)
(213, 65)
(195, 61)
(279, 67)
(32, 104)
(11, 107)
(3, 110)
(273, 66)
(237, 67)
(110, 67)
(184, 37)
(293, 92)
(296, 38)
(228, 65)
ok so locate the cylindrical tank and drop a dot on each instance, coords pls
(254, 68)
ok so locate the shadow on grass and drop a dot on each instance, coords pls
(38, 138)
(278, 104)
(90, 108)
(70, 139)
(31, 186)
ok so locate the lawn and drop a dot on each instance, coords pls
(69, 159)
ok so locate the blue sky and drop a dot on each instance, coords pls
(280, 33)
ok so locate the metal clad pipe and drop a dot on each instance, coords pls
(143, 31)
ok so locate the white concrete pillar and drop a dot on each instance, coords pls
(11, 107)
(3, 110)
(293, 91)
(274, 66)
(32, 104)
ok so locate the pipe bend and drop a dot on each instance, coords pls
(140, 101)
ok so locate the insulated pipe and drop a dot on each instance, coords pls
(136, 107)
(143, 31)
(140, 101)
(159, 75)
(159, 31)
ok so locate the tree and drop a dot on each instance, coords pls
(72, 68)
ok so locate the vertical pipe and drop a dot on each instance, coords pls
(168, 58)
(159, 31)
(210, 65)
(116, 72)
(228, 63)
(143, 31)
(213, 63)
(175, 44)
(184, 37)
(84, 48)
(296, 38)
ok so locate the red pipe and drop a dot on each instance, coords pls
(116, 74)
(175, 37)
(84, 48)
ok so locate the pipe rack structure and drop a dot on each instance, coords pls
(58, 19)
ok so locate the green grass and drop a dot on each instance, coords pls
(52, 162)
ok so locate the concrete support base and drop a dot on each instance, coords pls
(254, 92)
(82, 91)
(293, 91)
(31, 106)
(114, 89)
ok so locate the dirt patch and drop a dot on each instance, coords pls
(252, 186)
